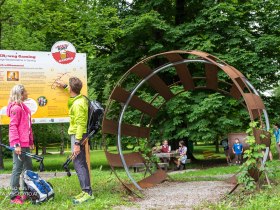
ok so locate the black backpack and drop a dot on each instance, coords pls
(95, 115)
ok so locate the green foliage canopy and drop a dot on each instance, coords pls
(116, 34)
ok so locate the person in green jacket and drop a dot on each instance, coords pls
(78, 112)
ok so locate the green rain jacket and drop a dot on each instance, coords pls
(78, 112)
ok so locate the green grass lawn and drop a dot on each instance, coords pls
(204, 174)
(109, 192)
(53, 162)
(198, 150)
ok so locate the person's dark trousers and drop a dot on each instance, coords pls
(81, 168)
(20, 164)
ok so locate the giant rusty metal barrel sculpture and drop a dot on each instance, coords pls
(215, 75)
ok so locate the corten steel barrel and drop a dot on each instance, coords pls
(189, 70)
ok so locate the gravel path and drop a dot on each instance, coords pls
(180, 195)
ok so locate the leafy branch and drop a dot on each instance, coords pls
(146, 152)
(252, 167)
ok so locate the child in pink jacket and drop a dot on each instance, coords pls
(20, 137)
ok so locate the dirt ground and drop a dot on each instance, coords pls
(180, 195)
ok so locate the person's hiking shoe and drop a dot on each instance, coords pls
(79, 196)
(17, 200)
(86, 197)
(24, 198)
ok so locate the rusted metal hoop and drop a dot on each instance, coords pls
(252, 100)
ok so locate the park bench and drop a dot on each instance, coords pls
(170, 155)
(138, 166)
(163, 166)
(131, 159)
(141, 166)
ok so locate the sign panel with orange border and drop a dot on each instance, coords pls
(38, 71)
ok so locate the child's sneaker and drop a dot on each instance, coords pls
(86, 197)
(24, 198)
(17, 200)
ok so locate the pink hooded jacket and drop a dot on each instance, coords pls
(20, 130)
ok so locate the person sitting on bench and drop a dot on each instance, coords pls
(165, 148)
(181, 161)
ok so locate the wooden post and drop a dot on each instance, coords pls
(87, 150)
(1, 153)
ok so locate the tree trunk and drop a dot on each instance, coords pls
(100, 144)
(95, 146)
(180, 12)
(44, 150)
(191, 156)
(1, 153)
(36, 145)
(61, 152)
(92, 145)
(217, 145)
(189, 151)
(62, 140)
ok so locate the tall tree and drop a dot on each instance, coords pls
(116, 34)
(235, 31)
